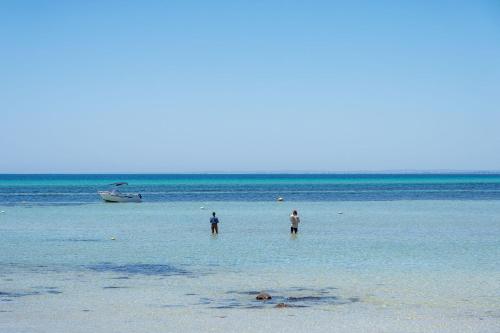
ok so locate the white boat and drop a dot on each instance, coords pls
(116, 196)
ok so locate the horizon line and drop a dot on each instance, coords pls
(282, 172)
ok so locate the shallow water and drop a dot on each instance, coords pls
(395, 265)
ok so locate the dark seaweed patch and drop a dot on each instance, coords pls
(139, 269)
(313, 299)
(172, 306)
(6, 296)
(251, 292)
(114, 287)
(307, 298)
(74, 240)
(48, 290)
(18, 294)
(288, 305)
(44, 288)
(228, 305)
(254, 306)
(82, 240)
(205, 300)
(9, 296)
(223, 307)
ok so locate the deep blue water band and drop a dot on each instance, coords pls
(78, 189)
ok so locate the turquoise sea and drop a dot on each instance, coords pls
(374, 253)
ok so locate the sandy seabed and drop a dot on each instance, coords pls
(90, 303)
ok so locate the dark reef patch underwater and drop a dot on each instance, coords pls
(138, 269)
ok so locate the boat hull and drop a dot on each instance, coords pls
(121, 197)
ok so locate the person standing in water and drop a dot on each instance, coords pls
(214, 221)
(294, 220)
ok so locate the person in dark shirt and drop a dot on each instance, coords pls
(214, 221)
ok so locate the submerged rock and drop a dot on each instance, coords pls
(282, 305)
(263, 296)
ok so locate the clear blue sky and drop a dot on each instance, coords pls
(184, 86)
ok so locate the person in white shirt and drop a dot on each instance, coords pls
(294, 220)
